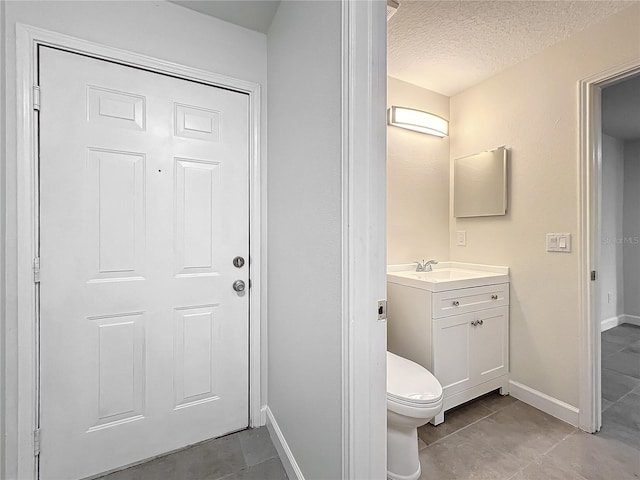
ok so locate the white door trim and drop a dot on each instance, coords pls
(20, 341)
(590, 178)
(364, 339)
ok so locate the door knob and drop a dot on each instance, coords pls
(238, 286)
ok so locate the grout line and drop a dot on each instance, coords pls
(540, 457)
(460, 429)
(517, 473)
(472, 423)
(620, 399)
(560, 441)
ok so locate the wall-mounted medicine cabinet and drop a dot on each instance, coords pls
(480, 184)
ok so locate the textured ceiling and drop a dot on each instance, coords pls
(253, 14)
(621, 110)
(448, 46)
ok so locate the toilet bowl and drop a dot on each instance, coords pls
(414, 396)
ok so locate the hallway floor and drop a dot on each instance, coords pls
(491, 438)
(501, 438)
(621, 384)
(246, 455)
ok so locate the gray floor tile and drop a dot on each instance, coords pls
(609, 348)
(454, 420)
(421, 444)
(208, 460)
(634, 348)
(616, 385)
(163, 467)
(269, 470)
(543, 469)
(211, 460)
(596, 458)
(624, 334)
(496, 402)
(626, 362)
(606, 404)
(460, 457)
(621, 421)
(256, 445)
(521, 431)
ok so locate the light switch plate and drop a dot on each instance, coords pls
(461, 238)
(559, 242)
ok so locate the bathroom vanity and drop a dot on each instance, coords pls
(454, 321)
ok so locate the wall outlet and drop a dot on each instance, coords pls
(461, 238)
(610, 297)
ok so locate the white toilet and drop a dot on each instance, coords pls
(414, 396)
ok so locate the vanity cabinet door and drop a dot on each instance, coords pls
(471, 349)
(489, 344)
(451, 352)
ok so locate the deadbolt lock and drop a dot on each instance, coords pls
(238, 262)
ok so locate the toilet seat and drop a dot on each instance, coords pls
(410, 384)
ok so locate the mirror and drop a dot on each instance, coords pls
(480, 184)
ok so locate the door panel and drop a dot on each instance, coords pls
(490, 344)
(451, 338)
(144, 205)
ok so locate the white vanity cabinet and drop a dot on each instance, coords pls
(460, 335)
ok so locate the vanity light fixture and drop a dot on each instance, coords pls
(418, 121)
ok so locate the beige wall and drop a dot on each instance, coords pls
(532, 108)
(417, 181)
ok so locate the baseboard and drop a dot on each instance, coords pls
(541, 401)
(612, 322)
(286, 456)
(609, 323)
(631, 319)
(263, 415)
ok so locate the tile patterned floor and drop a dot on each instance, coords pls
(246, 455)
(621, 384)
(501, 438)
(491, 438)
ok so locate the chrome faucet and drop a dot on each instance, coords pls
(425, 266)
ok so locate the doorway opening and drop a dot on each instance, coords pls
(619, 279)
(609, 245)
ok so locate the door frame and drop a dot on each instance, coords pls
(590, 229)
(23, 370)
(364, 239)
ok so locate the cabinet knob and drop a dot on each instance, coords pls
(494, 297)
(456, 303)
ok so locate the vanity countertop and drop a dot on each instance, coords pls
(447, 276)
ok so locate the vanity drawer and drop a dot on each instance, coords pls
(454, 302)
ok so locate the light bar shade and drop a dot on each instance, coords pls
(418, 121)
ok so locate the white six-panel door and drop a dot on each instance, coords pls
(143, 207)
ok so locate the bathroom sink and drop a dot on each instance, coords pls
(447, 276)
